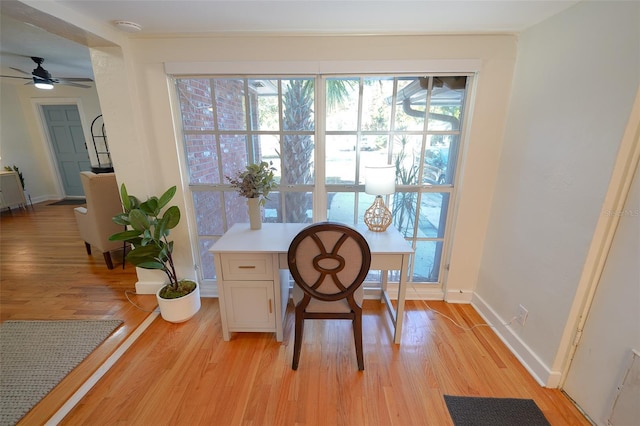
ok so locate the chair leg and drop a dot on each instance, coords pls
(357, 335)
(297, 345)
(107, 259)
(88, 247)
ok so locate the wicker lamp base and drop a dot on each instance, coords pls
(377, 217)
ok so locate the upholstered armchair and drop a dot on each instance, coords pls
(95, 220)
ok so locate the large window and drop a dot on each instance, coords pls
(413, 122)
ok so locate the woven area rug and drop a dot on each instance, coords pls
(472, 411)
(36, 355)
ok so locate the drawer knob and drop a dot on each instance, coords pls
(247, 267)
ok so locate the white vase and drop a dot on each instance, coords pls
(181, 309)
(255, 216)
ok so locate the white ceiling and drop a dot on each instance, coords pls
(19, 41)
(64, 58)
(323, 16)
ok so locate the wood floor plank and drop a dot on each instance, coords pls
(186, 374)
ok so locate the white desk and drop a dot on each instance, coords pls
(253, 285)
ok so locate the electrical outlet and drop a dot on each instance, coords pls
(521, 317)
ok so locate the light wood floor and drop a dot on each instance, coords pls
(46, 274)
(187, 375)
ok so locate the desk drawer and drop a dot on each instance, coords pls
(386, 262)
(247, 266)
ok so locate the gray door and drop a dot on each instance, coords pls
(67, 139)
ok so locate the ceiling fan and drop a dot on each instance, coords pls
(42, 78)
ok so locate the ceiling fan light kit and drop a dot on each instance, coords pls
(42, 85)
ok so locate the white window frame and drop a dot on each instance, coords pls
(320, 70)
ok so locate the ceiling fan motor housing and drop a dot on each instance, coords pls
(39, 71)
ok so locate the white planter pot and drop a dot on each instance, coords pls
(179, 310)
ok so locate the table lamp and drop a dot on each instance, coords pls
(379, 181)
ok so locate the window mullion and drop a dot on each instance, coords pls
(281, 144)
(251, 149)
(320, 191)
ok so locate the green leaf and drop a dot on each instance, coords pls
(160, 230)
(164, 253)
(121, 219)
(150, 251)
(145, 255)
(125, 235)
(136, 242)
(149, 265)
(134, 202)
(172, 217)
(150, 206)
(138, 220)
(126, 202)
(167, 196)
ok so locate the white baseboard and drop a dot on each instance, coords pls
(458, 296)
(43, 198)
(209, 291)
(148, 287)
(507, 333)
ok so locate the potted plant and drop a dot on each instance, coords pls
(255, 183)
(147, 230)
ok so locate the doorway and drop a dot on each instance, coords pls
(68, 143)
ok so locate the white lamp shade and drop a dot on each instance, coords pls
(380, 180)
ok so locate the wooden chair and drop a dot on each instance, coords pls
(328, 262)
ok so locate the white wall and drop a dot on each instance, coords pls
(23, 141)
(575, 82)
(15, 144)
(158, 145)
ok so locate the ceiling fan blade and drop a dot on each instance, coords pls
(19, 70)
(70, 83)
(83, 86)
(13, 76)
(77, 79)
